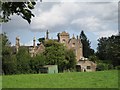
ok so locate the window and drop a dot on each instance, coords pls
(88, 67)
(73, 45)
(63, 40)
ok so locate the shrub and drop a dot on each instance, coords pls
(104, 66)
(117, 67)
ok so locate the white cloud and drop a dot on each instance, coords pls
(106, 33)
(100, 19)
(58, 15)
(93, 17)
(80, 0)
(87, 23)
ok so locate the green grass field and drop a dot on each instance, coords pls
(101, 79)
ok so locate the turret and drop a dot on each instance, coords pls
(17, 43)
(34, 39)
(63, 37)
(47, 35)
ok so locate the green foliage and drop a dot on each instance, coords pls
(101, 49)
(37, 62)
(0, 46)
(41, 40)
(104, 66)
(23, 59)
(5, 40)
(71, 58)
(24, 9)
(80, 80)
(87, 50)
(101, 65)
(93, 58)
(9, 63)
(108, 49)
(117, 67)
(8, 60)
(55, 54)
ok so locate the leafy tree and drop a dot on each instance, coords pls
(87, 51)
(5, 40)
(23, 60)
(55, 54)
(94, 58)
(23, 9)
(36, 62)
(41, 40)
(8, 60)
(104, 66)
(9, 64)
(108, 49)
(71, 58)
(101, 49)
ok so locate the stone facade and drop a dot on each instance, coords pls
(86, 66)
(34, 50)
(73, 43)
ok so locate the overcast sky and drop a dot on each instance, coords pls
(97, 20)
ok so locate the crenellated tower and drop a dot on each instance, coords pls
(63, 37)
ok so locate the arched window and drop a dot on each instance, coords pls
(63, 40)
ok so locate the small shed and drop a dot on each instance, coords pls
(49, 69)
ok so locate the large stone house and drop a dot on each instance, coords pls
(74, 43)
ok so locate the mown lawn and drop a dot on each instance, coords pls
(101, 79)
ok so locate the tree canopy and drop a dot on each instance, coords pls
(8, 60)
(23, 9)
(87, 50)
(23, 59)
(108, 49)
(56, 53)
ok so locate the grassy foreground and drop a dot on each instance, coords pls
(101, 79)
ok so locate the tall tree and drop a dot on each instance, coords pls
(23, 9)
(101, 49)
(108, 49)
(87, 50)
(36, 62)
(71, 58)
(8, 60)
(55, 54)
(23, 60)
